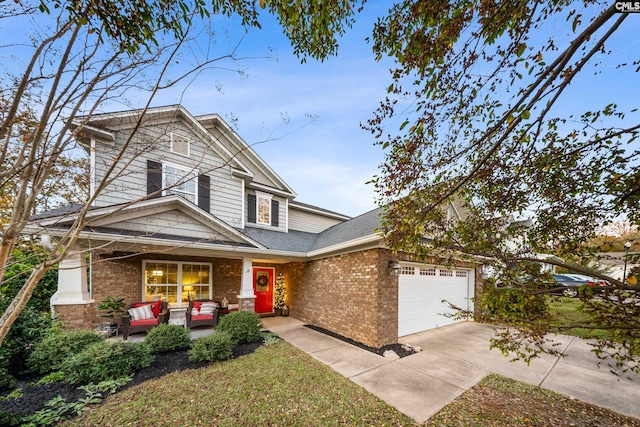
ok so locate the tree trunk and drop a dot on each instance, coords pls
(20, 300)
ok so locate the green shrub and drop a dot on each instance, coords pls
(30, 327)
(269, 338)
(106, 361)
(7, 381)
(18, 271)
(49, 354)
(8, 419)
(242, 326)
(216, 346)
(168, 338)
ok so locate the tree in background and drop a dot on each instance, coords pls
(475, 115)
(613, 237)
(76, 58)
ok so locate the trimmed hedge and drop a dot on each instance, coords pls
(164, 338)
(50, 353)
(242, 326)
(216, 346)
(106, 361)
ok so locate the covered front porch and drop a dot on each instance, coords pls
(244, 283)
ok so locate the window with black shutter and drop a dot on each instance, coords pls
(274, 212)
(154, 178)
(204, 192)
(251, 208)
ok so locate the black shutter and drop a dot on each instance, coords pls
(154, 178)
(274, 212)
(204, 192)
(251, 207)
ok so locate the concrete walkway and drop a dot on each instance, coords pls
(455, 358)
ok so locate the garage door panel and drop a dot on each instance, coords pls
(421, 291)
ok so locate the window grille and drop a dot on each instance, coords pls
(408, 270)
(427, 271)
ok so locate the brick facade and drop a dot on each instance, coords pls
(76, 316)
(355, 294)
(352, 294)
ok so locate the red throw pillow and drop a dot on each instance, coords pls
(156, 306)
(198, 304)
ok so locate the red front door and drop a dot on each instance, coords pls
(263, 282)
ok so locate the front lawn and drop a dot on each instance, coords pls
(276, 385)
(281, 385)
(568, 311)
(497, 401)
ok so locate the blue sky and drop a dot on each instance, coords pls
(328, 159)
(302, 119)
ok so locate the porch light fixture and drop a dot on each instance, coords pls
(395, 267)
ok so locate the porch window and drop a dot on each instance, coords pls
(176, 282)
(180, 180)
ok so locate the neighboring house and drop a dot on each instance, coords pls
(613, 263)
(228, 228)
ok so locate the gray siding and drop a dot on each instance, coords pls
(259, 176)
(153, 142)
(172, 222)
(310, 222)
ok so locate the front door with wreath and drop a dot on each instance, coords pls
(263, 283)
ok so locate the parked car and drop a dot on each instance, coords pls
(591, 281)
(568, 286)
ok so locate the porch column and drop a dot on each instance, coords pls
(72, 302)
(247, 299)
(72, 281)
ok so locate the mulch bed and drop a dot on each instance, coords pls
(34, 397)
(399, 349)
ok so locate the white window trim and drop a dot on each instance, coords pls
(187, 170)
(179, 285)
(267, 196)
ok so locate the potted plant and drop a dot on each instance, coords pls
(112, 307)
(278, 294)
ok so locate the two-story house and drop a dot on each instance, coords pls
(185, 208)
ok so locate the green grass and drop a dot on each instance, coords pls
(568, 311)
(280, 385)
(503, 402)
(276, 385)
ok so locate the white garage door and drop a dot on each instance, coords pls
(420, 294)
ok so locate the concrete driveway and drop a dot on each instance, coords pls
(455, 358)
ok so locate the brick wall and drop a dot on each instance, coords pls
(115, 276)
(227, 279)
(76, 316)
(347, 294)
(354, 295)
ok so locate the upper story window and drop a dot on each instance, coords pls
(167, 178)
(180, 145)
(180, 180)
(264, 208)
